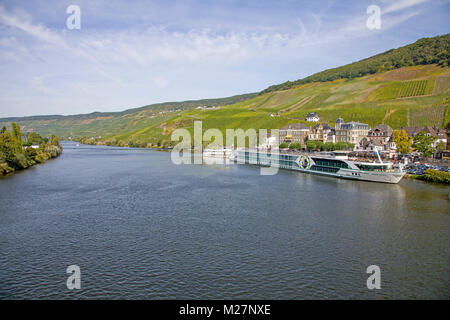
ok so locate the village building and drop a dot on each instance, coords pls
(380, 138)
(312, 117)
(351, 132)
(294, 132)
(331, 136)
(320, 132)
(338, 123)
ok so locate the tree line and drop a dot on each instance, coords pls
(421, 142)
(19, 151)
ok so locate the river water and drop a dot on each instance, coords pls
(141, 227)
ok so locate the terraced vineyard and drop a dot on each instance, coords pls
(416, 88)
(428, 116)
(442, 85)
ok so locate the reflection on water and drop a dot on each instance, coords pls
(142, 227)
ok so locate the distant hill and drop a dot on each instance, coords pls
(423, 52)
(106, 123)
(181, 105)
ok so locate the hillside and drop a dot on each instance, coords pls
(109, 123)
(409, 96)
(423, 52)
(413, 95)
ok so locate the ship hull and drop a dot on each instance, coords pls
(292, 162)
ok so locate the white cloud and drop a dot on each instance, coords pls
(157, 45)
(38, 84)
(398, 5)
(36, 30)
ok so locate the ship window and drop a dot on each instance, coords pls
(330, 163)
(370, 168)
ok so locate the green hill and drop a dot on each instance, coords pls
(404, 97)
(110, 123)
(423, 52)
(375, 90)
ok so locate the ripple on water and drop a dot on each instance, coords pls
(142, 228)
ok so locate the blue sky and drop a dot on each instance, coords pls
(133, 53)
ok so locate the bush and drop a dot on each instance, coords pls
(283, 145)
(20, 161)
(311, 145)
(431, 175)
(329, 146)
(5, 169)
(34, 138)
(295, 146)
(320, 145)
(41, 157)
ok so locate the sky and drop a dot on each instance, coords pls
(129, 54)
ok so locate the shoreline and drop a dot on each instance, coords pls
(407, 175)
(9, 171)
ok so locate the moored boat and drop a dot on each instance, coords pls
(335, 164)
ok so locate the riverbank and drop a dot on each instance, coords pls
(19, 152)
(433, 176)
(31, 158)
(165, 145)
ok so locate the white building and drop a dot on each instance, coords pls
(352, 132)
(312, 117)
(269, 143)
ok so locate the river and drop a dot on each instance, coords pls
(141, 227)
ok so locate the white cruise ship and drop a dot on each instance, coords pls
(335, 164)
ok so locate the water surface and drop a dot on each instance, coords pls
(141, 227)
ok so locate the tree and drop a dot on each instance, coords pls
(16, 131)
(311, 145)
(295, 146)
(3, 130)
(7, 146)
(441, 146)
(320, 145)
(11, 152)
(329, 146)
(34, 138)
(402, 141)
(340, 145)
(54, 140)
(424, 143)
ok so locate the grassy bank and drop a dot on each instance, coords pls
(434, 176)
